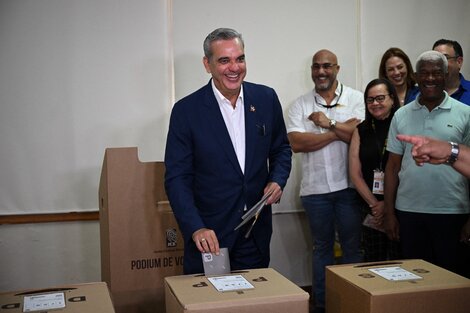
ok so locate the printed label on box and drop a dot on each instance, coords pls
(230, 283)
(394, 273)
(44, 302)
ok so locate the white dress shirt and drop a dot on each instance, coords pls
(234, 121)
(325, 170)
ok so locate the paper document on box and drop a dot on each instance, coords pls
(44, 302)
(230, 283)
(394, 273)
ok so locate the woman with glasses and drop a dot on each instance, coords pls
(396, 67)
(367, 160)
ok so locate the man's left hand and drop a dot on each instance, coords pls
(276, 193)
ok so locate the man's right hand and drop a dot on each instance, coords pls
(427, 150)
(206, 241)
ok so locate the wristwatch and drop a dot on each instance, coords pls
(454, 153)
(332, 124)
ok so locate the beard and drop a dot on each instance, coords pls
(323, 85)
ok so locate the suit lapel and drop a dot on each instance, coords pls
(216, 120)
(251, 127)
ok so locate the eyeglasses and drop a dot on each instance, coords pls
(448, 57)
(325, 66)
(379, 99)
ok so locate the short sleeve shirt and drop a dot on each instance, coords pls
(431, 188)
(325, 170)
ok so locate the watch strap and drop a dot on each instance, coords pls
(454, 153)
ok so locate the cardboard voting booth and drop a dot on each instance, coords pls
(408, 286)
(141, 243)
(263, 290)
(80, 298)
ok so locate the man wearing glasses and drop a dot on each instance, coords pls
(456, 85)
(320, 124)
(426, 208)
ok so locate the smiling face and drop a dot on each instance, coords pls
(325, 68)
(377, 108)
(227, 66)
(396, 72)
(431, 81)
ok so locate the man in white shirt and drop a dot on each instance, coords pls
(320, 124)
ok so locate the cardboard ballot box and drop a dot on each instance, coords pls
(271, 292)
(140, 239)
(408, 286)
(80, 298)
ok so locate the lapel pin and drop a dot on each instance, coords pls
(252, 108)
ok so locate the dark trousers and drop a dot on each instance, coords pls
(434, 238)
(245, 253)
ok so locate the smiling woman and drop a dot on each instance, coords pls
(367, 160)
(396, 67)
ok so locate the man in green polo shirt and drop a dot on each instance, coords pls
(426, 208)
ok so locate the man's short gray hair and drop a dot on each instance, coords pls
(220, 34)
(432, 56)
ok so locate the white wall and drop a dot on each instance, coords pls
(79, 76)
(49, 254)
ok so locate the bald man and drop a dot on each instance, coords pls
(320, 124)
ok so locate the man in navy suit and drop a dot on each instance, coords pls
(226, 147)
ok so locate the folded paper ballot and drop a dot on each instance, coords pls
(216, 264)
(253, 212)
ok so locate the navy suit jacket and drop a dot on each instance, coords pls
(204, 182)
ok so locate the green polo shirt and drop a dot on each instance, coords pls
(437, 189)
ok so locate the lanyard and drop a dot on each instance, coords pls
(331, 106)
(381, 149)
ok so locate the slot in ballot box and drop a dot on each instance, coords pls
(406, 286)
(271, 292)
(79, 298)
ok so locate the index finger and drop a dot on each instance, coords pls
(415, 140)
(214, 243)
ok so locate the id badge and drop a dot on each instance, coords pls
(378, 186)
